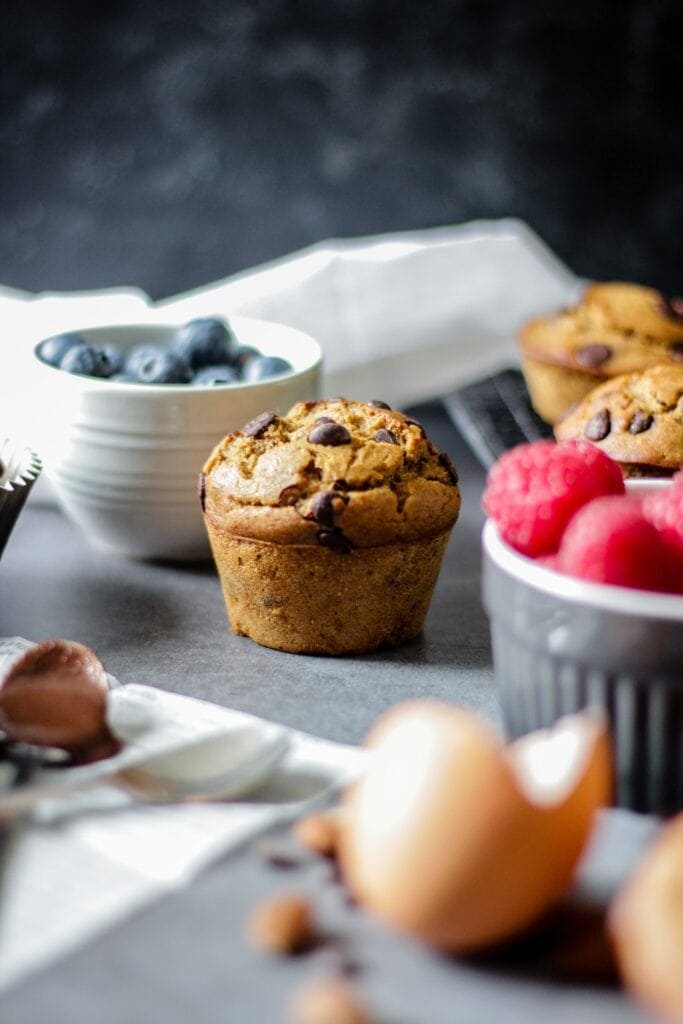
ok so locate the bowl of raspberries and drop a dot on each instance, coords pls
(123, 417)
(583, 586)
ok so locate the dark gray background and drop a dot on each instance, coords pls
(170, 144)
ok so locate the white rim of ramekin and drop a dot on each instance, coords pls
(643, 603)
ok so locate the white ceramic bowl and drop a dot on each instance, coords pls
(124, 459)
(561, 644)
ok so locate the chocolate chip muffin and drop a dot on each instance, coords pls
(636, 418)
(328, 526)
(615, 329)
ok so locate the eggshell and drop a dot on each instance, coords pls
(646, 925)
(442, 839)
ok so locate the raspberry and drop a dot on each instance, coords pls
(664, 509)
(611, 541)
(533, 490)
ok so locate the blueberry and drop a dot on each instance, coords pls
(204, 342)
(85, 360)
(216, 375)
(148, 364)
(53, 350)
(263, 367)
(243, 354)
(115, 359)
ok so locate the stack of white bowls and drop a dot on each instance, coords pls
(124, 458)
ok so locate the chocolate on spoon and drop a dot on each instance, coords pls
(55, 695)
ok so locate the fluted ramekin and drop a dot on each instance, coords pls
(561, 644)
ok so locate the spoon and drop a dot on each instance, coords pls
(218, 767)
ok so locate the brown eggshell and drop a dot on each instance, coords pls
(441, 839)
(55, 695)
(646, 925)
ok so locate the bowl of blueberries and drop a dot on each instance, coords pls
(125, 417)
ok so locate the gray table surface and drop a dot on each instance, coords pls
(185, 958)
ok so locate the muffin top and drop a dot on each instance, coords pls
(335, 473)
(636, 418)
(616, 328)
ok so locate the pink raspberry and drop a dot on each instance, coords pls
(611, 541)
(533, 490)
(664, 509)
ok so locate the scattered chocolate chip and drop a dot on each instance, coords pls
(322, 508)
(386, 436)
(335, 540)
(447, 464)
(414, 423)
(329, 434)
(282, 862)
(348, 968)
(676, 349)
(319, 832)
(672, 308)
(640, 422)
(324, 419)
(258, 426)
(277, 857)
(336, 876)
(322, 1001)
(377, 404)
(592, 356)
(341, 485)
(201, 490)
(599, 426)
(283, 924)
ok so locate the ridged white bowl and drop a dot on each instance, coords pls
(561, 644)
(124, 459)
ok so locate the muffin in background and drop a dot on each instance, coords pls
(636, 418)
(616, 328)
(328, 526)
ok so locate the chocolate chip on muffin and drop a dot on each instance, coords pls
(598, 426)
(591, 356)
(323, 507)
(672, 307)
(640, 421)
(335, 540)
(329, 432)
(636, 418)
(258, 426)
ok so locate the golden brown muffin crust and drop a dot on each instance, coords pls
(616, 328)
(334, 473)
(636, 418)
